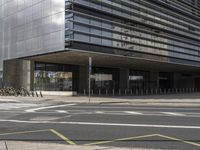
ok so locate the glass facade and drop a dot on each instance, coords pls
(166, 31)
(139, 80)
(31, 27)
(154, 30)
(104, 79)
(55, 77)
(165, 80)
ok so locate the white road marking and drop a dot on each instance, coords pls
(172, 113)
(133, 112)
(61, 111)
(8, 106)
(103, 124)
(99, 112)
(41, 108)
(138, 108)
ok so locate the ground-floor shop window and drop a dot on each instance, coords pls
(140, 80)
(53, 77)
(105, 79)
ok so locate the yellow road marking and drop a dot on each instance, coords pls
(180, 140)
(24, 132)
(62, 137)
(121, 139)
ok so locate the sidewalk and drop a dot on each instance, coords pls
(13, 145)
(189, 99)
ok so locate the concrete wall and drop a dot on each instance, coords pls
(17, 74)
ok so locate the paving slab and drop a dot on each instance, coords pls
(2, 145)
(19, 145)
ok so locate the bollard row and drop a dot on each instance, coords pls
(129, 92)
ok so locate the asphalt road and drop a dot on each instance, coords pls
(108, 124)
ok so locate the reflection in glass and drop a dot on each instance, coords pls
(51, 77)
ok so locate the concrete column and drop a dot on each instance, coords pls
(17, 73)
(124, 78)
(83, 78)
(32, 70)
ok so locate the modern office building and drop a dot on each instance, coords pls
(134, 44)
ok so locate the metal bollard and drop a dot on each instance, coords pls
(151, 91)
(165, 91)
(147, 91)
(160, 91)
(142, 92)
(84, 92)
(41, 94)
(32, 93)
(113, 91)
(156, 90)
(136, 92)
(119, 92)
(92, 92)
(106, 92)
(99, 92)
(125, 92)
(36, 93)
(131, 92)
